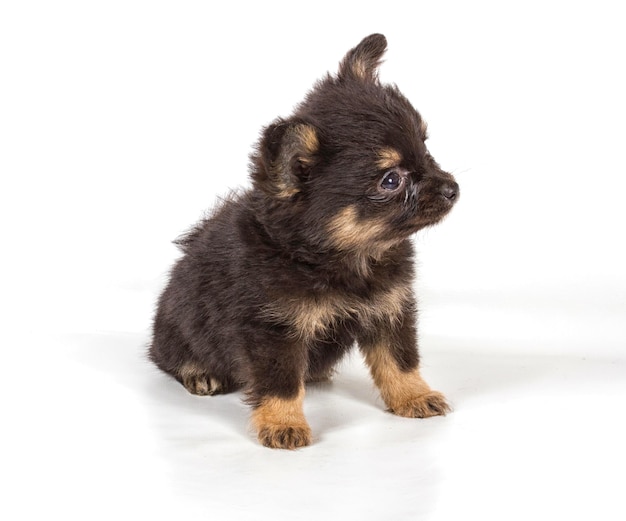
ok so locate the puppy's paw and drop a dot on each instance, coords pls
(201, 385)
(280, 422)
(429, 404)
(285, 436)
(197, 380)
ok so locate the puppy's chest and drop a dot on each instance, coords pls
(311, 316)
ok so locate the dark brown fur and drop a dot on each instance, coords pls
(282, 280)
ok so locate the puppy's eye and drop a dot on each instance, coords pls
(391, 181)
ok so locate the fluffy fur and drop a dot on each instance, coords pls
(282, 280)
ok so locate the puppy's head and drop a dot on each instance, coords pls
(351, 163)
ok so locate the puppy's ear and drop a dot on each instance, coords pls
(285, 156)
(362, 62)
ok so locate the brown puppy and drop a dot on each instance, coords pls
(282, 280)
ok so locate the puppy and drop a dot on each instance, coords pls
(282, 280)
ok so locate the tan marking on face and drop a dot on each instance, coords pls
(349, 232)
(280, 422)
(388, 158)
(363, 238)
(404, 392)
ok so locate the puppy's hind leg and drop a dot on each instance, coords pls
(171, 353)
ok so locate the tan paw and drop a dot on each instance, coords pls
(285, 436)
(280, 422)
(429, 404)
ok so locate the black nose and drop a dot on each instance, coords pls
(450, 190)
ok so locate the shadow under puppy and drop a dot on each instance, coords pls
(282, 280)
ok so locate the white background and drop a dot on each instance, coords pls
(122, 122)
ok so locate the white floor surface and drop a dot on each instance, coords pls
(106, 436)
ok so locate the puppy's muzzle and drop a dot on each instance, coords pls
(449, 190)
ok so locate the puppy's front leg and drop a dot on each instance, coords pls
(392, 357)
(280, 422)
(276, 392)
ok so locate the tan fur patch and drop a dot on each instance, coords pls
(405, 393)
(308, 139)
(348, 232)
(301, 142)
(359, 68)
(364, 238)
(310, 317)
(285, 191)
(281, 424)
(388, 157)
(190, 369)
